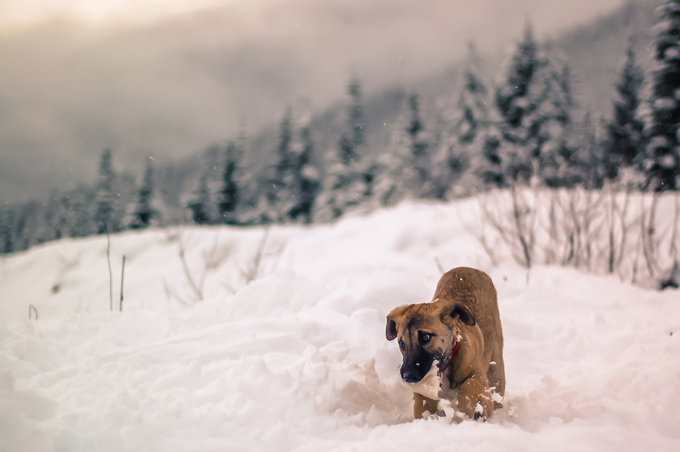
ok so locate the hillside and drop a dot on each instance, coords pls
(595, 52)
(296, 360)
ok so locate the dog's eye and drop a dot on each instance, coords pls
(401, 344)
(425, 338)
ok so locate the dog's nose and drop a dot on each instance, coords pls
(411, 376)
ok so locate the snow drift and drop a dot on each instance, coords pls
(296, 358)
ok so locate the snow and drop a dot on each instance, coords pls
(665, 103)
(672, 53)
(297, 358)
(429, 385)
(659, 141)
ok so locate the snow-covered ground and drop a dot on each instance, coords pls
(297, 358)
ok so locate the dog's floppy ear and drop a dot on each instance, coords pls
(457, 311)
(391, 329)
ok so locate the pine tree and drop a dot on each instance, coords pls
(449, 160)
(200, 204)
(405, 169)
(625, 132)
(281, 187)
(591, 155)
(145, 212)
(349, 180)
(104, 214)
(62, 227)
(396, 177)
(7, 219)
(557, 152)
(473, 103)
(49, 217)
(307, 180)
(492, 170)
(80, 224)
(420, 159)
(353, 138)
(531, 140)
(663, 150)
(460, 147)
(27, 225)
(511, 153)
(230, 192)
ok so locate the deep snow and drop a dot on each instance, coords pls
(297, 359)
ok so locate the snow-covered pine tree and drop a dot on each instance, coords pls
(27, 225)
(473, 102)
(281, 194)
(663, 149)
(511, 152)
(104, 214)
(491, 168)
(395, 176)
(459, 147)
(200, 203)
(448, 159)
(349, 180)
(145, 212)
(307, 178)
(591, 154)
(7, 217)
(625, 145)
(531, 143)
(557, 150)
(230, 192)
(62, 217)
(79, 222)
(353, 137)
(420, 159)
(49, 217)
(404, 169)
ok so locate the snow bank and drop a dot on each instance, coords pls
(297, 359)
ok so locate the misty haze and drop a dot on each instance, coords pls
(172, 85)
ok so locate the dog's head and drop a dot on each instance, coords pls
(426, 332)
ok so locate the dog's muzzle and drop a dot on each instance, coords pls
(411, 376)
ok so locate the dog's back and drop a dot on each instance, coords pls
(475, 290)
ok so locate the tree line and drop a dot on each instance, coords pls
(523, 130)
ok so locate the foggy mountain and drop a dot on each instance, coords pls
(172, 87)
(595, 52)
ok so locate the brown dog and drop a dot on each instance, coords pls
(460, 328)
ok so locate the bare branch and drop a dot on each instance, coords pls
(108, 260)
(122, 279)
(187, 273)
(439, 265)
(251, 274)
(34, 310)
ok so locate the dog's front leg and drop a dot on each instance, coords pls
(474, 398)
(422, 404)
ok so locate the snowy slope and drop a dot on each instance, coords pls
(297, 359)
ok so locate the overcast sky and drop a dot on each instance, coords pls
(167, 78)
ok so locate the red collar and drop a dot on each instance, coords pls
(454, 352)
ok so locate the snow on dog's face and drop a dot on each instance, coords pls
(425, 333)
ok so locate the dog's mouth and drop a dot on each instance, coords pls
(415, 368)
(429, 385)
